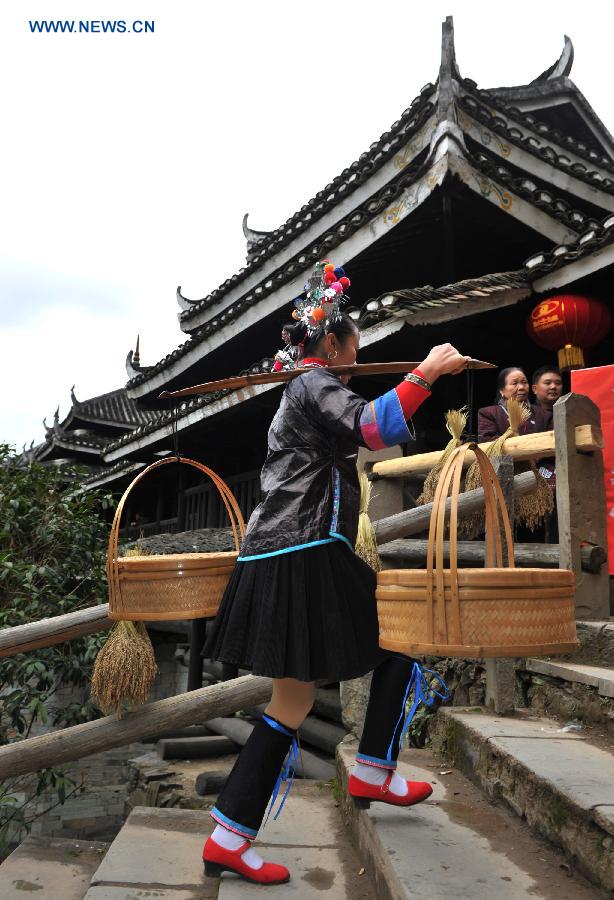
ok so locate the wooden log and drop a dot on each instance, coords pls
(413, 521)
(308, 766)
(328, 704)
(412, 554)
(210, 783)
(581, 503)
(195, 747)
(190, 732)
(78, 741)
(588, 438)
(54, 630)
(322, 735)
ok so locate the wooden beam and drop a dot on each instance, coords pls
(55, 630)
(413, 521)
(410, 554)
(526, 446)
(78, 741)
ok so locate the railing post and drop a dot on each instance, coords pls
(581, 507)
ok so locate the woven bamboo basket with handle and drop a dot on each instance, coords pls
(488, 612)
(177, 586)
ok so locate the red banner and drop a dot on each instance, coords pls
(598, 384)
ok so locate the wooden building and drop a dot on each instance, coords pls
(475, 204)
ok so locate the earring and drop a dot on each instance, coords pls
(333, 355)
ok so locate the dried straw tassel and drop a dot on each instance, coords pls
(472, 526)
(531, 509)
(456, 422)
(125, 668)
(366, 543)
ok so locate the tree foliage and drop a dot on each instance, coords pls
(52, 558)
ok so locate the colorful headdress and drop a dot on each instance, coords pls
(321, 305)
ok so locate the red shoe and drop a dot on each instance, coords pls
(363, 793)
(217, 860)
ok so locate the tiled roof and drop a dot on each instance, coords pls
(595, 237)
(526, 188)
(342, 186)
(115, 407)
(535, 146)
(124, 467)
(414, 300)
(387, 306)
(319, 248)
(547, 132)
(186, 406)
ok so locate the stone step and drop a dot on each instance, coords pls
(158, 854)
(599, 677)
(456, 844)
(50, 868)
(561, 784)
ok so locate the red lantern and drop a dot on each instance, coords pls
(569, 323)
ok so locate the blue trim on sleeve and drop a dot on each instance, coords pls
(390, 419)
(242, 829)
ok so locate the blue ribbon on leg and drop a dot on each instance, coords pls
(288, 769)
(423, 693)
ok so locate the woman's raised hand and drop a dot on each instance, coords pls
(444, 359)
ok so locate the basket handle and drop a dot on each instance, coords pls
(441, 630)
(232, 508)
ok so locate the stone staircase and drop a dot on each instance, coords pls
(523, 806)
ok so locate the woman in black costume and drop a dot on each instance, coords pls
(300, 605)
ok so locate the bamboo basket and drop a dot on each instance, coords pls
(489, 612)
(177, 586)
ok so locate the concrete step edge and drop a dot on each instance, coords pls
(600, 677)
(585, 836)
(366, 837)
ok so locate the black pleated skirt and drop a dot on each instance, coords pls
(309, 614)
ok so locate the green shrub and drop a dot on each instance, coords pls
(52, 561)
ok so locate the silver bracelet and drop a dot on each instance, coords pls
(416, 379)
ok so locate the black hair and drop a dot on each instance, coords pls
(502, 378)
(342, 327)
(537, 374)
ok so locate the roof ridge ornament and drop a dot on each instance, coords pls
(136, 358)
(562, 67)
(73, 397)
(447, 119)
(56, 422)
(253, 237)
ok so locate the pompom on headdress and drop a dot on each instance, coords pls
(324, 293)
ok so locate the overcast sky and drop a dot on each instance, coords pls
(128, 160)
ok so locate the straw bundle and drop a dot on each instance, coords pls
(456, 422)
(366, 543)
(125, 668)
(530, 509)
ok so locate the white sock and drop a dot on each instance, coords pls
(377, 775)
(231, 841)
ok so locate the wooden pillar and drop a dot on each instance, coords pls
(386, 495)
(580, 499)
(198, 632)
(500, 673)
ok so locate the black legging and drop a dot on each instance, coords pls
(243, 801)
